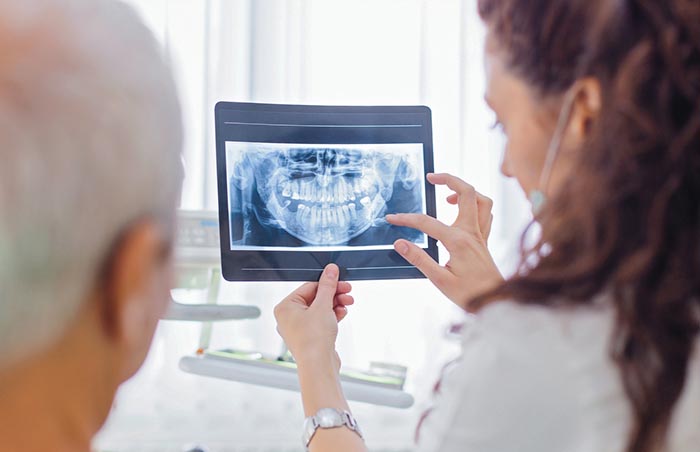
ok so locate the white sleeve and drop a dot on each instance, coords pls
(507, 392)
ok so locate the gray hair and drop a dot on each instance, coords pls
(90, 141)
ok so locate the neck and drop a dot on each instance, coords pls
(58, 399)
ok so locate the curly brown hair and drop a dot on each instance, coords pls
(628, 223)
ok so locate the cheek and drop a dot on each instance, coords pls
(160, 295)
(166, 285)
(524, 156)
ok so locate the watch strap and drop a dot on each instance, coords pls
(327, 418)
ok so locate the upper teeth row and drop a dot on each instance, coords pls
(340, 192)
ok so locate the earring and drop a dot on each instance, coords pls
(537, 201)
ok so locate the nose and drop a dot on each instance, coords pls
(505, 166)
(327, 158)
(326, 162)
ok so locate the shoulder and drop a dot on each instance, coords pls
(524, 379)
(545, 341)
(517, 325)
(547, 349)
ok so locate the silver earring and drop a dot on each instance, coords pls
(537, 196)
(537, 201)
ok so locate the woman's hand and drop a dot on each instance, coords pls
(471, 269)
(308, 318)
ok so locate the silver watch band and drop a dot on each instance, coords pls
(328, 418)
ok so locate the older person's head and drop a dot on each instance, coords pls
(90, 175)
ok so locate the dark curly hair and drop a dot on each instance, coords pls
(628, 223)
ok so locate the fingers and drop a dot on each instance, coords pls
(344, 287)
(340, 312)
(343, 300)
(481, 199)
(486, 229)
(422, 261)
(423, 223)
(468, 217)
(485, 204)
(304, 294)
(327, 288)
(485, 216)
(484, 201)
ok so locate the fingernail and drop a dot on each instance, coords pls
(332, 271)
(402, 248)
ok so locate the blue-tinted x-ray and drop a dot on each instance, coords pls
(292, 195)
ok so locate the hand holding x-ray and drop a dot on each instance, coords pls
(308, 318)
(471, 270)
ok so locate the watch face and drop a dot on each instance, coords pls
(329, 418)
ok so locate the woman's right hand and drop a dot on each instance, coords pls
(470, 270)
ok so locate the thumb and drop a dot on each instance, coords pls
(327, 288)
(421, 260)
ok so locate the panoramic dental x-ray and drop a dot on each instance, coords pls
(321, 196)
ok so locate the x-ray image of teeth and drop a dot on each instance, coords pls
(310, 195)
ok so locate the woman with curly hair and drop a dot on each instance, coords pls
(593, 344)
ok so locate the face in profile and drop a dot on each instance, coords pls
(526, 119)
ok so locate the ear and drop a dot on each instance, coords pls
(585, 109)
(136, 294)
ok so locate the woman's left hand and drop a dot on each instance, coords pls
(308, 318)
(470, 270)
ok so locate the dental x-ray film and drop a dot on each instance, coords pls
(305, 186)
(323, 197)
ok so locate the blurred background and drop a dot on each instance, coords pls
(337, 52)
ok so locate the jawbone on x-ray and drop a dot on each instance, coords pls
(299, 195)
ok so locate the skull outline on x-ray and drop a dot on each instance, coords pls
(324, 195)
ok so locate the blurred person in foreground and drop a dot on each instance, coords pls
(90, 177)
(593, 345)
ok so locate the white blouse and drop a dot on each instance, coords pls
(537, 379)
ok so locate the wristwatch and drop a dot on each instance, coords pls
(328, 418)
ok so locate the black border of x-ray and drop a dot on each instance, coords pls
(270, 265)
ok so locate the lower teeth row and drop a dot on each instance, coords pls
(326, 216)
